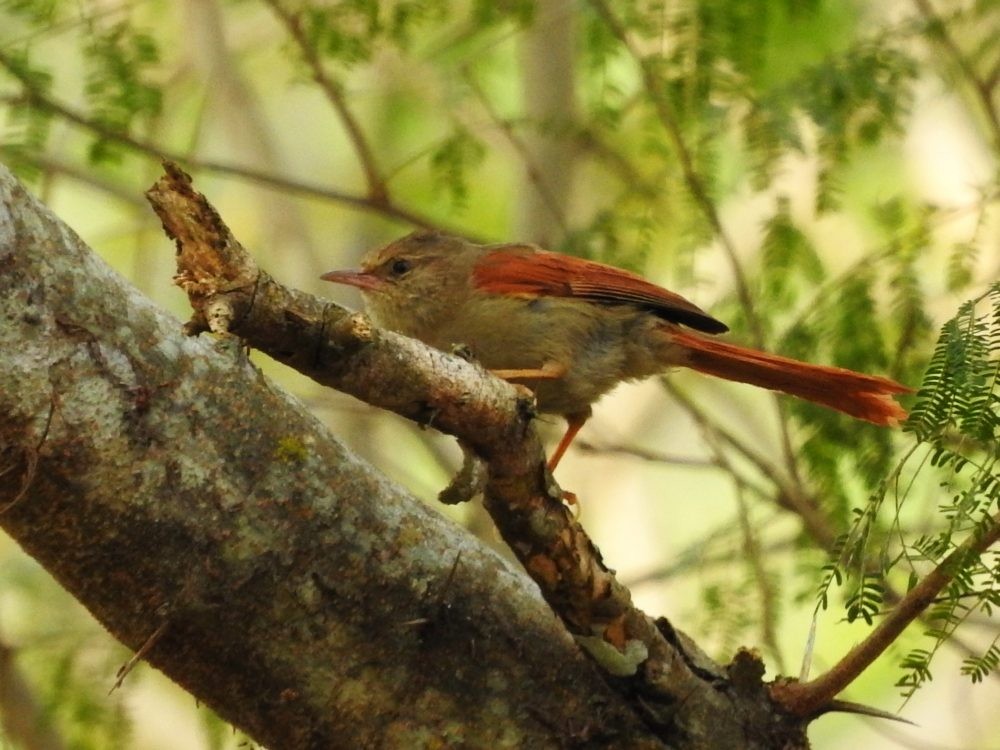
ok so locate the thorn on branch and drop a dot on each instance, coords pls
(128, 666)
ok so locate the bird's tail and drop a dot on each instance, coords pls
(867, 397)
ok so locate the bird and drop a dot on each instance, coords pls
(571, 329)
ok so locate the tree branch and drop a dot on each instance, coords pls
(806, 698)
(981, 88)
(378, 191)
(543, 188)
(381, 206)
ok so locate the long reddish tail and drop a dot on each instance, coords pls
(866, 397)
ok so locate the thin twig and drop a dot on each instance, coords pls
(55, 166)
(615, 161)
(768, 596)
(144, 649)
(534, 174)
(991, 79)
(378, 190)
(382, 207)
(692, 179)
(789, 495)
(694, 556)
(751, 552)
(806, 698)
(587, 446)
(982, 88)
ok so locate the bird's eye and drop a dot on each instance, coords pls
(400, 266)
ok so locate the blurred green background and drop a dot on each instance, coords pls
(822, 175)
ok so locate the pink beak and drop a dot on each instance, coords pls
(361, 279)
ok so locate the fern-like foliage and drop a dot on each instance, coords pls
(451, 162)
(350, 33)
(26, 129)
(117, 87)
(956, 424)
(977, 668)
(960, 397)
(789, 262)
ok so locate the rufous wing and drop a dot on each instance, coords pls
(527, 270)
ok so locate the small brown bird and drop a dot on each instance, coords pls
(572, 329)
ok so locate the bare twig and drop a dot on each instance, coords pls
(694, 557)
(53, 165)
(591, 141)
(383, 206)
(541, 186)
(378, 191)
(144, 649)
(751, 552)
(789, 495)
(850, 707)
(991, 79)
(588, 446)
(768, 596)
(236, 106)
(982, 87)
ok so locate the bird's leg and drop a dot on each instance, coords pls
(549, 371)
(573, 424)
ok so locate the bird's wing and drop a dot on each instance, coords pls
(524, 269)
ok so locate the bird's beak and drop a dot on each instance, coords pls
(361, 279)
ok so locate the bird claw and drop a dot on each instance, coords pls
(463, 351)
